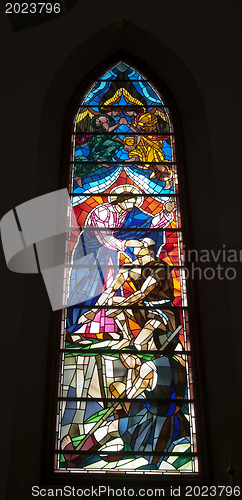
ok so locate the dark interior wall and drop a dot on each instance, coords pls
(197, 55)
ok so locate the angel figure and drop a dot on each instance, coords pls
(147, 147)
(96, 129)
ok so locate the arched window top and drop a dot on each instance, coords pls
(124, 93)
(139, 88)
(126, 390)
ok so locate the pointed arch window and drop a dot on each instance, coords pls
(126, 399)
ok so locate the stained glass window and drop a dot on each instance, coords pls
(125, 401)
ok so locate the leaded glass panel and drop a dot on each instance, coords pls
(126, 401)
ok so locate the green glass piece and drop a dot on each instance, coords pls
(96, 417)
(181, 461)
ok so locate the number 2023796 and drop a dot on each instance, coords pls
(32, 8)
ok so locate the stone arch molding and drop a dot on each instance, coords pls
(121, 40)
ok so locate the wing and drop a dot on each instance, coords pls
(162, 121)
(83, 122)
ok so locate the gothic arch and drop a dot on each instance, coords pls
(101, 50)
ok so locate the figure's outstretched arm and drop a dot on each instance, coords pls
(105, 297)
(133, 128)
(98, 221)
(132, 159)
(149, 284)
(166, 216)
(142, 381)
(87, 316)
(104, 121)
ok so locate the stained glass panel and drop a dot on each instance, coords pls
(125, 400)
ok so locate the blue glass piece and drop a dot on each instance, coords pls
(150, 186)
(173, 396)
(151, 438)
(123, 425)
(109, 419)
(171, 410)
(68, 415)
(148, 466)
(92, 459)
(167, 151)
(159, 424)
(142, 437)
(149, 94)
(176, 430)
(91, 408)
(137, 219)
(71, 394)
(177, 441)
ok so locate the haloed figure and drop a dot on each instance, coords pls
(154, 423)
(123, 220)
